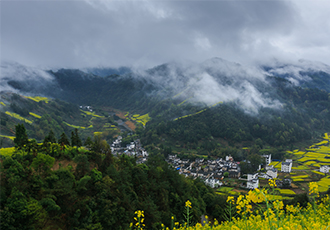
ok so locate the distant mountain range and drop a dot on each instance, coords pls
(297, 91)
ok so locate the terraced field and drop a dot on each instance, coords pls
(316, 155)
(15, 115)
(143, 119)
(77, 127)
(309, 162)
(37, 99)
(306, 165)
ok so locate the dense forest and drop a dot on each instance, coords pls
(58, 184)
(63, 186)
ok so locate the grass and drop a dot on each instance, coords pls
(233, 193)
(224, 189)
(221, 193)
(15, 115)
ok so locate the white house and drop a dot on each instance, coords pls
(252, 176)
(268, 158)
(144, 153)
(213, 182)
(286, 166)
(325, 168)
(272, 172)
(229, 158)
(252, 181)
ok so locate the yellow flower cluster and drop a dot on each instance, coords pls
(139, 213)
(230, 200)
(188, 204)
(272, 183)
(139, 219)
(271, 219)
(243, 203)
(257, 195)
(314, 188)
(314, 216)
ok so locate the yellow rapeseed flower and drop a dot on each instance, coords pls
(256, 196)
(291, 208)
(230, 199)
(272, 182)
(188, 204)
(313, 188)
(278, 205)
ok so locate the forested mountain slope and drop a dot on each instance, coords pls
(195, 104)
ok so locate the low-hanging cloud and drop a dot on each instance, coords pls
(213, 81)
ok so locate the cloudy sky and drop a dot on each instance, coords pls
(87, 33)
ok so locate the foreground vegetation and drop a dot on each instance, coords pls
(60, 186)
(258, 210)
(63, 186)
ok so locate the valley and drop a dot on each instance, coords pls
(71, 152)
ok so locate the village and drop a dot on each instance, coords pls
(133, 149)
(214, 172)
(219, 172)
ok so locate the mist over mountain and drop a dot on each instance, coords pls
(104, 71)
(22, 79)
(215, 80)
(280, 103)
(204, 84)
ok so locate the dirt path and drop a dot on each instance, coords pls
(131, 125)
(63, 164)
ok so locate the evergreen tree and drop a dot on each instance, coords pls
(64, 139)
(78, 140)
(21, 137)
(75, 139)
(50, 138)
(88, 143)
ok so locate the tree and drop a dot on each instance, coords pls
(43, 162)
(50, 137)
(88, 143)
(255, 161)
(100, 146)
(75, 139)
(21, 137)
(63, 140)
